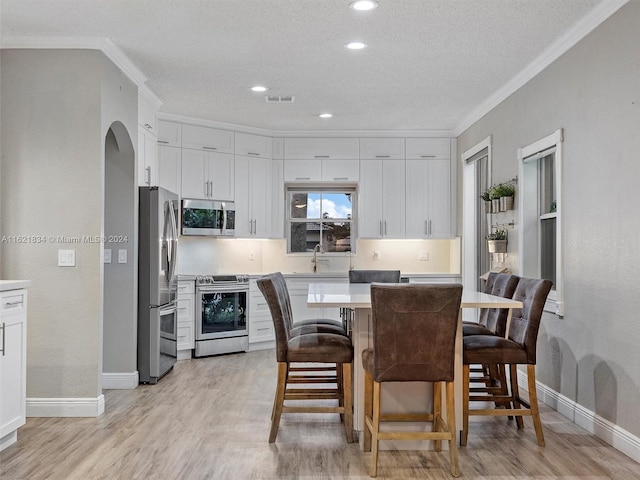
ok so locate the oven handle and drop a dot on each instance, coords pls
(222, 288)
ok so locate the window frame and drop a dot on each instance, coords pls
(530, 217)
(321, 189)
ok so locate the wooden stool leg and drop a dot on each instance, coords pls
(283, 369)
(451, 426)
(465, 405)
(368, 409)
(437, 412)
(515, 393)
(375, 430)
(340, 388)
(347, 390)
(533, 403)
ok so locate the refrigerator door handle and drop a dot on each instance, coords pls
(173, 242)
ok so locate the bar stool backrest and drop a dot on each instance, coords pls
(371, 276)
(414, 331)
(525, 322)
(274, 289)
(496, 318)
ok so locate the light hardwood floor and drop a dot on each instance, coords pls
(209, 419)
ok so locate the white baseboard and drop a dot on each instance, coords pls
(262, 346)
(65, 407)
(615, 436)
(120, 381)
(184, 354)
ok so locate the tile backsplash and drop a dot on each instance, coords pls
(205, 255)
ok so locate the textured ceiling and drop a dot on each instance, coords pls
(428, 65)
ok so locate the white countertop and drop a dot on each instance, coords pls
(358, 295)
(6, 285)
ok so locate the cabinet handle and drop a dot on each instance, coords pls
(341, 178)
(427, 156)
(303, 178)
(255, 226)
(380, 227)
(4, 333)
(252, 153)
(429, 227)
(146, 125)
(163, 141)
(210, 148)
(263, 329)
(385, 228)
(147, 172)
(13, 304)
(383, 156)
(426, 227)
(321, 156)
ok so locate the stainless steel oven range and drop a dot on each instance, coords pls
(222, 312)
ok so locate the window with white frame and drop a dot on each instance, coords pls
(320, 216)
(540, 166)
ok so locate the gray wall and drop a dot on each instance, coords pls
(53, 142)
(119, 109)
(591, 355)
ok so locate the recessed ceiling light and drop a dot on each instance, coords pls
(364, 5)
(325, 115)
(259, 88)
(356, 45)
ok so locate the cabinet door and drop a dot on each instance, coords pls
(220, 174)
(428, 148)
(169, 165)
(252, 145)
(147, 115)
(307, 148)
(13, 373)
(302, 170)
(370, 199)
(277, 198)
(382, 148)
(169, 133)
(244, 221)
(151, 159)
(428, 201)
(195, 183)
(143, 172)
(393, 198)
(205, 138)
(260, 195)
(340, 170)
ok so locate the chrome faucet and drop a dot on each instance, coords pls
(314, 261)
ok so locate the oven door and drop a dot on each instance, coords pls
(221, 313)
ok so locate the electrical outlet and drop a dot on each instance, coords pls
(107, 255)
(66, 258)
(423, 256)
(376, 255)
(122, 255)
(251, 257)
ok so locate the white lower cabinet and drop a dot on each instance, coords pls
(261, 332)
(186, 317)
(13, 364)
(299, 292)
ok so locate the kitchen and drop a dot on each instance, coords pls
(596, 378)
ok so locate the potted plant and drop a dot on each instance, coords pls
(487, 201)
(507, 191)
(494, 196)
(497, 241)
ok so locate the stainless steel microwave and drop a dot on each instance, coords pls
(208, 217)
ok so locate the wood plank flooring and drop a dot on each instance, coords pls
(209, 419)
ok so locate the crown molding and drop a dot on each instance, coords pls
(364, 133)
(106, 46)
(580, 30)
(213, 124)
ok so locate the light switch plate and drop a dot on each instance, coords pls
(122, 255)
(66, 258)
(107, 255)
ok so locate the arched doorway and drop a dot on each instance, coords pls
(119, 362)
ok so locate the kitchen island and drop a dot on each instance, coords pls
(405, 397)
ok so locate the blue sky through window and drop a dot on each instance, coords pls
(336, 205)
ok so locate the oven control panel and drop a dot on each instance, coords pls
(222, 280)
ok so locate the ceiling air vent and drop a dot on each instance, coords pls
(280, 99)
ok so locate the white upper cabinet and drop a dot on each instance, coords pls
(381, 199)
(302, 170)
(428, 148)
(382, 148)
(147, 158)
(147, 115)
(207, 175)
(253, 197)
(169, 133)
(169, 160)
(253, 145)
(307, 148)
(428, 198)
(340, 170)
(205, 138)
(277, 198)
(277, 150)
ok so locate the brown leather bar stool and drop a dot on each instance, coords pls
(306, 348)
(518, 349)
(414, 331)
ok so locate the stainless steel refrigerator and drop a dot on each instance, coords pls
(157, 283)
